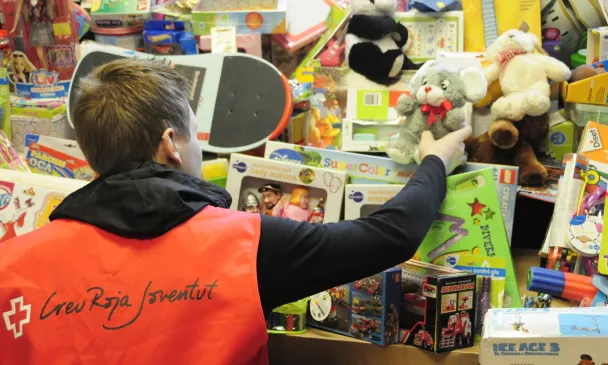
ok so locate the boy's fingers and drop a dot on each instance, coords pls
(427, 136)
(461, 134)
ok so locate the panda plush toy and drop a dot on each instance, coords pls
(376, 43)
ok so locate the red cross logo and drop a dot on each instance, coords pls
(17, 317)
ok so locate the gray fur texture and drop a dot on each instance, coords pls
(433, 85)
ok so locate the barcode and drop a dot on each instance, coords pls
(371, 99)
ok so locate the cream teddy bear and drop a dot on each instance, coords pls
(523, 75)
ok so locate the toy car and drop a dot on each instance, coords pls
(368, 285)
(364, 327)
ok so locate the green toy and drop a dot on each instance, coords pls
(470, 224)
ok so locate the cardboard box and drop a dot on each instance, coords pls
(120, 13)
(57, 157)
(363, 199)
(588, 91)
(214, 5)
(373, 105)
(359, 168)
(27, 200)
(367, 309)
(5, 103)
(597, 46)
(545, 336)
(364, 136)
(438, 312)
(303, 193)
(245, 21)
(505, 179)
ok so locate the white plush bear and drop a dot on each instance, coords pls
(523, 75)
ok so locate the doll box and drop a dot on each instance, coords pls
(367, 136)
(367, 309)
(545, 336)
(120, 13)
(359, 169)
(302, 193)
(364, 199)
(27, 200)
(245, 22)
(438, 311)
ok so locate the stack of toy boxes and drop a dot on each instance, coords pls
(114, 14)
(39, 116)
(166, 37)
(438, 312)
(367, 309)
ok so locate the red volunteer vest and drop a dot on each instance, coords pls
(71, 293)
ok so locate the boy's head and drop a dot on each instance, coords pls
(133, 110)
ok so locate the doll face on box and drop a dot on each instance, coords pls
(270, 198)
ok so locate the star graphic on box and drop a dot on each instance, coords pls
(476, 221)
(489, 213)
(476, 208)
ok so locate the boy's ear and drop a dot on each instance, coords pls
(168, 150)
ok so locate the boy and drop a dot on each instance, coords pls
(146, 265)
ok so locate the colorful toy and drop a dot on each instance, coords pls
(120, 13)
(163, 37)
(438, 312)
(561, 284)
(437, 102)
(287, 190)
(56, 157)
(46, 36)
(470, 224)
(366, 309)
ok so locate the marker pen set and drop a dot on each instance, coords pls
(561, 284)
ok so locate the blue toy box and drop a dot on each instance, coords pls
(360, 169)
(164, 37)
(367, 309)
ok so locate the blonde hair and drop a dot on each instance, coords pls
(123, 108)
(29, 67)
(296, 195)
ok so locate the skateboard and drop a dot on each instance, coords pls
(240, 101)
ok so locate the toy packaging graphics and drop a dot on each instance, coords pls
(245, 21)
(470, 224)
(227, 5)
(27, 200)
(57, 157)
(306, 21)
(373, 105)
(120, 13)
(432, 33)
(5, 103)
(438, 312)
(367, 309)
(505, 179)
(359, 169)
(44, 40)
(545, 336)
(302, 193)
(165, 37)
(368, 136)
(9, 158)
(364, 199)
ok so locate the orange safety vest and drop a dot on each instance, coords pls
(71, 293)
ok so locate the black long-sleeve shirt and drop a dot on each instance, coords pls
(298, 259)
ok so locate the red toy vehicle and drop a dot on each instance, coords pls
(423, 339)
(457, 332)
(368, 285)
(414, 303)
(364, 327)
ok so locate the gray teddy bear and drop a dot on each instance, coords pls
(438, 97)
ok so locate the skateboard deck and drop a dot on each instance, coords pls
(240, 101)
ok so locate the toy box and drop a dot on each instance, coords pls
(27, 200)
(44, 38)
(563, 136)
(165, 37)
(545, 336)
(226, 5)
(57, 126)
(361, 200)
(373, 105)
(470, 224)
(306, 21)
(505, 179)
(367, 136)
(597, 47)
(250, 44)
(5, 103)
(438, 311)
(57, 157)
(587, 91)
(120, 13)
(302, 193)
(38, 108)
(359, 169)
(245, 21)
(367, 309)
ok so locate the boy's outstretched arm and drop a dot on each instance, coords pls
(298, 259)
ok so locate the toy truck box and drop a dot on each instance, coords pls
(438, 311)
(367, 309)
(545, 336)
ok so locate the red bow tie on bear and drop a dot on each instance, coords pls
(436, 112)
(505, 56)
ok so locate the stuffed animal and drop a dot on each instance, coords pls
(376, 43)
(438, 97)
(523, 75)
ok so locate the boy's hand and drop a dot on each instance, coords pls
(450, 149)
